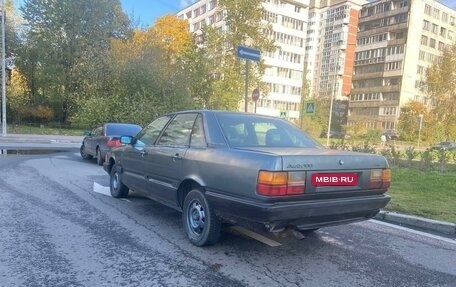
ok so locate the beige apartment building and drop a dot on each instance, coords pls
(315, 40)
(397, 41)
(284, 67)
(330, 51)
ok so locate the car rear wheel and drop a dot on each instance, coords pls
(99, 157)
(83, 153)
(200, 222)
(116, 187)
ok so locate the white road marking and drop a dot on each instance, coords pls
(448, 240)
(101, 189)
(255, 236)
(124, 199)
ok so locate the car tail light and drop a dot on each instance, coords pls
(380, 178)
(278, 183)
(113, 143)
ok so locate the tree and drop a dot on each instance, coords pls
(171, 35)
(147, 78)
(441, 88)
(409, 121)
(226, 72)
(63, 55)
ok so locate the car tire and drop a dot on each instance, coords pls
(116, 186)
(200, 222)
(100, 159)
(83, 153)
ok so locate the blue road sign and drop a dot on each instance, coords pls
(310, 108)
(248, 53)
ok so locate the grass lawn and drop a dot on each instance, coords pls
(428, 194)
(28, 129)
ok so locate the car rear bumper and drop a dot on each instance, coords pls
(303, 215)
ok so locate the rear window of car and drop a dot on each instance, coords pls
(258, 131)
(122, 130)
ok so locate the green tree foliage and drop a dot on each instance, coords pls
(147, 78)
(63, 54)
(225, 72)
(409, 121)
(441, 87)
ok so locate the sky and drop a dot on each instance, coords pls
(145, 12)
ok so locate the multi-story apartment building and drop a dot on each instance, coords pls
(330, 50)
(315, 40)
(284, 67)
(396, 42)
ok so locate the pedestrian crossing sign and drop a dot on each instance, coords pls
(310, 108)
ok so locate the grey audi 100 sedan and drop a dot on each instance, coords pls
(240, 168)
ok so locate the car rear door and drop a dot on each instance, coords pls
(91, 140)
(165, 158)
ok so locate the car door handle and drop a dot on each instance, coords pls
(176, 156)
(143, 153)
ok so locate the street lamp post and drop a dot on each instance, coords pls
(330, 114)
(3, 72)
(419, 130)
(333, 95)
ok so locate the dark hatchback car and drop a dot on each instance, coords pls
(99, 141)
(239, 168)
(446, 146)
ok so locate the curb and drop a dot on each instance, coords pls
(419, 222)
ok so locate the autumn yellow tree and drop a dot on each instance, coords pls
(149, 75)
(409, 121)
(441, 87)
(170, 34)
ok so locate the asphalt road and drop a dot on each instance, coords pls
(57, 228)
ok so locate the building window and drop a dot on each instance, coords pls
(422, 55)
(427, 9)
(441, 46)
(436, 13)
(443, 32)
(388, 111)
(426, 25)
(424, 40)
(432, 43)
(212, 4)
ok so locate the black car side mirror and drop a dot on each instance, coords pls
(87, 133)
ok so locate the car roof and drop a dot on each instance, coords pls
(215, 112)
(119, 124)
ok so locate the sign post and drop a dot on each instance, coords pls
(255, 97)
(248, 54)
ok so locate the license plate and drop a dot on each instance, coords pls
(334, 179)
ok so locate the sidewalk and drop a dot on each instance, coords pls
(436, 226)
(51, 142)
(27, 138)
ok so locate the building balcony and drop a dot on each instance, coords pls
(362, 118)
(384, 15)
(364, 76)
(369, 61)
(365, 104)
(397, 42)
(380, 30)
(381, 89)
